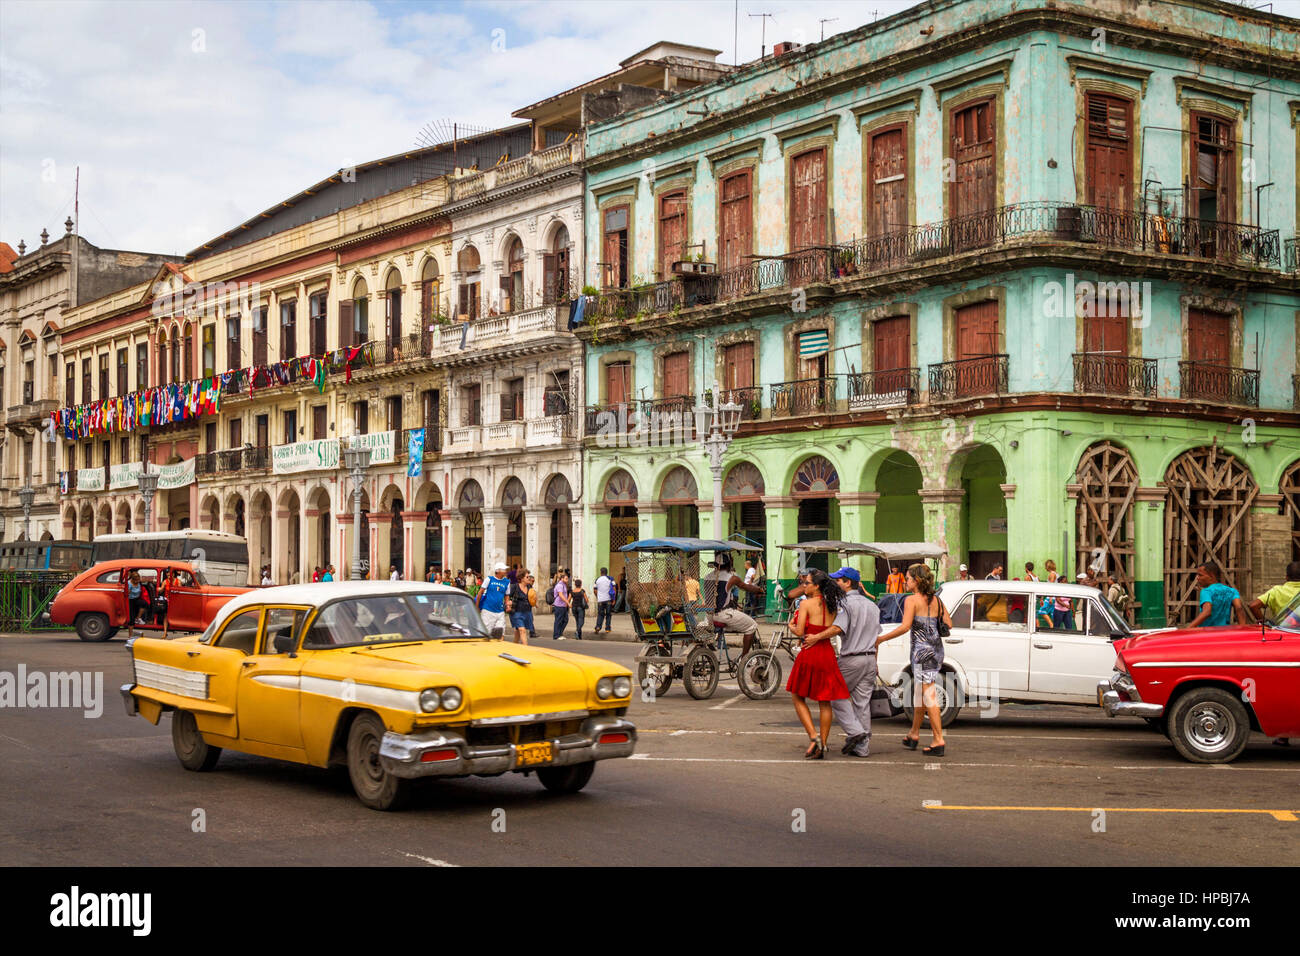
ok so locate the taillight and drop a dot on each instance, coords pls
(615, 738)
(429, 756)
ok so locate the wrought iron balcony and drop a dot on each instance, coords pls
(1221, 384)
(808, 396)
(890, 388)
(969, 378)
(1114, 375)
(1291, 255)
(206, 463)
(407, 347)
(749, 399)
(609, 419)
(257, 457)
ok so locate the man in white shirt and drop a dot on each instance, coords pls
(604, 599)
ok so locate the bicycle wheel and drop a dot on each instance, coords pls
(759, 674)
(656, 678)
(700, 675)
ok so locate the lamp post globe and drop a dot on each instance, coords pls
(148, 484)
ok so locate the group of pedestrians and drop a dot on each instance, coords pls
(511, 594)
(835, 606)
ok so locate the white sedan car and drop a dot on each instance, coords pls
(1025, 641)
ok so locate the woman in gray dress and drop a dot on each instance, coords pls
(922, 612)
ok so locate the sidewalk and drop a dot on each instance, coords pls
(621, 628)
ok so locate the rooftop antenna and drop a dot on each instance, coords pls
(826, 21)
(764, 17)
(735, 34)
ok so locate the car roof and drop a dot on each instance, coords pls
(319, 592)
(118, 563)
(1020, 587)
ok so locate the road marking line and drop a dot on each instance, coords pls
(949, 763)
(16, 741)
(429, 860)
(728, 702)
(1286, 816)
(954, 735)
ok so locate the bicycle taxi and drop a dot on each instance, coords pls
(670, 600)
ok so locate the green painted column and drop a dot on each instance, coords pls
(858, 523)
(941, 510)
(705, 511)
(652, 519)
(1037, 515)
(782, 528)
(595, 542)
(1149, 556)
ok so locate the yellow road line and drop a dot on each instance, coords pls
(1288, 816)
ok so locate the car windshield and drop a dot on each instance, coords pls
(1117, 622)
(1289, 617)
(395, 618)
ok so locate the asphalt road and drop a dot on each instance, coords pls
(713, 782)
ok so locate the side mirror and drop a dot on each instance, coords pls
(283, 643)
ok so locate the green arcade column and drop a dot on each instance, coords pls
(652, 519)
(941, 511)
(1149, 557)
(782, 528)
(596, 542)
(858, 523)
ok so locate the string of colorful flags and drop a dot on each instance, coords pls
(181, 401)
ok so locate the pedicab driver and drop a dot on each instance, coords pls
(718, 584)
(491, 599)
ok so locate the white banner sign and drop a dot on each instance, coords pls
(124, 476)
(90, 479)
(322, 454)
(382, 446)
(174, 476)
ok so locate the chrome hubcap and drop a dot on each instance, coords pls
(1210, 727)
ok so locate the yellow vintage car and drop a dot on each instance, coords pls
(395, 680)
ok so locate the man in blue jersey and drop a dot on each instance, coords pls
(491, 601)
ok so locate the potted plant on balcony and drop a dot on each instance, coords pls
(846, 265)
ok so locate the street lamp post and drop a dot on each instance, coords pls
(715, 427)
(356, 459)
(148, 486)
(27, 494)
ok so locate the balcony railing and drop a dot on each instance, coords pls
(1221, 384)
(533, 164)
(1291, 255)
(807, 396)
(609, 419)
(968, 378)
(206, 463)
(890, 388)
(749, 399)
(257, 457)
(494, 330)
(1114, 375)
(404, 348)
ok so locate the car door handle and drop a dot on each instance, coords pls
(953, 640)
(248, 663)
(1042, 647)
(191, 653)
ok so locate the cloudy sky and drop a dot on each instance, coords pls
(188, 118)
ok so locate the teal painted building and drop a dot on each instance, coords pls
(1017, 278)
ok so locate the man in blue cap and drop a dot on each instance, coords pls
(858, 623)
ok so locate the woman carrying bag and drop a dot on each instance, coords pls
(927, 619)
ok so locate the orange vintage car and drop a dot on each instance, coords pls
(97, 604)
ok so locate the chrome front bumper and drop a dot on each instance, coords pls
(401, 754)
(1118, 697)
(128, 698)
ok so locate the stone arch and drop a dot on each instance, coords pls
(619, 489)
(1210, 493)
(430, 270)
(86, 522)
(139, 521)
(122, 524)
(679, 486)
(235, 517)
(319, 525)
(743, 488)
(512, 493)
(503, 247)
(980, 471)
(468, 260)
(743, 482)
(392, 278)
(557, 236)
(557, 493)
(426, 496)
(390, 494)
(815, 476)
(70, 522)
(104, 519)
(469, 496)
(210, 513)
(359, 287)
(898, 513)
(46, 536)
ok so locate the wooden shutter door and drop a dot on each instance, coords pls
(677, 374)
(974, 190)
(809, 197)
(617, 383)
(888, 182)
(737, 221)
(893, 353)
(977, 327)
(672, 232)
(1106, 342)
(426, 303)
(1207, 337)
(549, 277)
(1109, 157)
(738, 365)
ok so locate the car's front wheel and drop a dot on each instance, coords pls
(568, 779)
(373, 785)
(93, 626)
(1209, 725)
(192, 750)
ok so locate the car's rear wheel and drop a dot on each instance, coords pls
(1209, 725)
(373, 785)
(93, 626)
(568, 779)
(192, 750)
(949, 698)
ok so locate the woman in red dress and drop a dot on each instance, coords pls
(816, 672)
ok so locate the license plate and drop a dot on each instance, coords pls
(526, 755)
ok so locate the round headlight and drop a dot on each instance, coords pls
(429, 700)
(622, 686)
(451, 698)
(605, 688)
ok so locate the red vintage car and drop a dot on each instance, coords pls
(1208, 688)
(96, 600)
